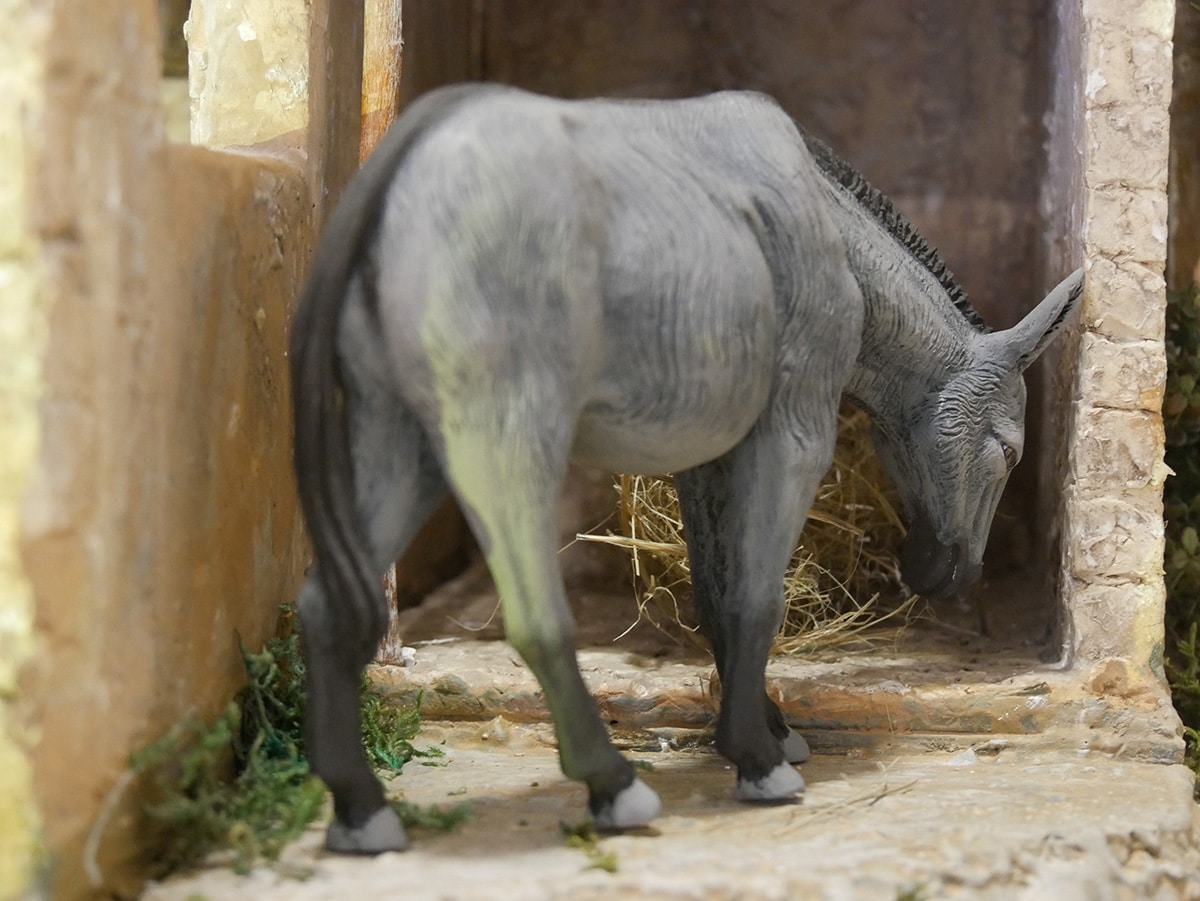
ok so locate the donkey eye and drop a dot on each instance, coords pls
(1010, 455)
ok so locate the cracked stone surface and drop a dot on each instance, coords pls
(985, 821)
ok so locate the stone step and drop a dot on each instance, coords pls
(931, 699)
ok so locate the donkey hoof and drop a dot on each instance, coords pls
(633, 806)
(795, 748)
(382, 832)
(780, 784)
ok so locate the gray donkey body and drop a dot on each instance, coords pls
(513, 282)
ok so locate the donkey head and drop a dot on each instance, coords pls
(950, 452)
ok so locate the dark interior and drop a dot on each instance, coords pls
(940, 104)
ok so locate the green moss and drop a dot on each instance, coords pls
(1181, 502)
(387, 733)
(242, 782)
(433, 818)
(583, 836)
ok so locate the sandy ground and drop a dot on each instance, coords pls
(988, 822)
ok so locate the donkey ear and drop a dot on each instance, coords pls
(1020, 345)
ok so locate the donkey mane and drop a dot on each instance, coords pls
(874, 202)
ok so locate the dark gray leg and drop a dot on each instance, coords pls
(742, 515)
(509, 491)
(397, 485)
(705, 591)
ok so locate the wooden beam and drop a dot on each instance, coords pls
(334, 99)
(382, 60)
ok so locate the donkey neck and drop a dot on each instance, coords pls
(917, 327)
(914, 339)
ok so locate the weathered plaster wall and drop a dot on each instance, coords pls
(1112, 584)
(22, 337)
(949, 127)
(152, 455)
(159, 523)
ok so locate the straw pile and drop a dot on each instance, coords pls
(843, 579)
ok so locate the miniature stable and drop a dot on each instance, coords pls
(1021, 138)
(1016, 171)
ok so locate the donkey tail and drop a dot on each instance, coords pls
(321, 453)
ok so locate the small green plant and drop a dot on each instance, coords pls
(433, 818)
(582, 835)
(1184, 670)
(242, 782)
(387, 733)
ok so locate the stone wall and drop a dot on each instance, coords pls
(1116, 96)
(147, 514)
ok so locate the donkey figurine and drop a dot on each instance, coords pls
(514, 281)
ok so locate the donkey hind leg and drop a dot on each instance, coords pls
(742, 515)
(511, 500)
(397, 484)
(795, 748)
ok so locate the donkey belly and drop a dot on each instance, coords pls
(682, 383)
(606, 440)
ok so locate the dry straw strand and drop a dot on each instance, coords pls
(846, 562)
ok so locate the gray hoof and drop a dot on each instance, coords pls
(633, 807)
(795, 748)
(781, 784)
(382, 832)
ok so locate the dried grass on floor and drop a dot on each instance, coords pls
(846, 562)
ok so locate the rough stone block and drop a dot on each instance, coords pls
(1121, 375)
(1125, 301)
(1116, 536)
(1129, 64)
(1119, 620)
(1126, 224)
(1125, 147)
(1102, 624)
(1127, 90)
(1118, 449)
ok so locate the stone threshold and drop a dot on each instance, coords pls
(858, 702)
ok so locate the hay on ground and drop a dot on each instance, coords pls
(842, 581)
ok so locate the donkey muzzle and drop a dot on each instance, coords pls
(934, 569)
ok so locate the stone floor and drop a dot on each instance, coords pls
(986, 822)
(970, 769)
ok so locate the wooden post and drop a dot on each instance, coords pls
(442, 548)
(1183, 251)
(334, 99)
(382, 44)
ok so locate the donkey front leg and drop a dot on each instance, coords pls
(742, 516)
(512, 503)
